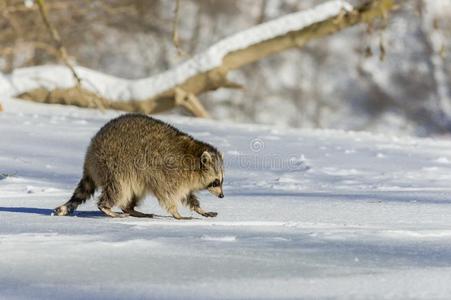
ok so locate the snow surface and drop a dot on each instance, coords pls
(24, 79)
(306, 214)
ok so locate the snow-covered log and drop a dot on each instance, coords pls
(204, 72)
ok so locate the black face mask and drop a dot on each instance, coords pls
(214, 183)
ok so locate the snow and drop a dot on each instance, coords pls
(24, 79)
(307, 214)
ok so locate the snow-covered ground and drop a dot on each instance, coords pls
(306, 214)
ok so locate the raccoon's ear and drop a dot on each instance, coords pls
(205, 158)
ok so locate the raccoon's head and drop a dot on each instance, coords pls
(213, 172)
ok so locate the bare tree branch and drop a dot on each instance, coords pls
(56, 40)
(262, 10)
(216, 77)
(63, 53)
(175, 35)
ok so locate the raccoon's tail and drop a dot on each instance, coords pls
(84, 190)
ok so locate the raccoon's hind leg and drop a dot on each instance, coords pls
(193, 203)
(85, 189)
(130, 209)
(111, 195)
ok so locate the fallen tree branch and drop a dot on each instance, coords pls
(199, 77)
(76, 96)
(190, 102)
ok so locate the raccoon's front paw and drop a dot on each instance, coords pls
(210, 214)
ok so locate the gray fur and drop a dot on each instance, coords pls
(134, 155)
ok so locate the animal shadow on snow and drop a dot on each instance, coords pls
(80, 214)
(48, 212)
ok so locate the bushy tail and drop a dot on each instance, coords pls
(84, 190)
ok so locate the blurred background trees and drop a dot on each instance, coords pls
(394, 75)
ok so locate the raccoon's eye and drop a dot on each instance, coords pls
(215, 183)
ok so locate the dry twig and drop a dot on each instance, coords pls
(64, 56)
(175, 35)
(57, 40)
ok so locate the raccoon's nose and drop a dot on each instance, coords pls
(221, 195)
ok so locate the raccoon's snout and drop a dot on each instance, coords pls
(221, 195)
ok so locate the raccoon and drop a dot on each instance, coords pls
(135, 155)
